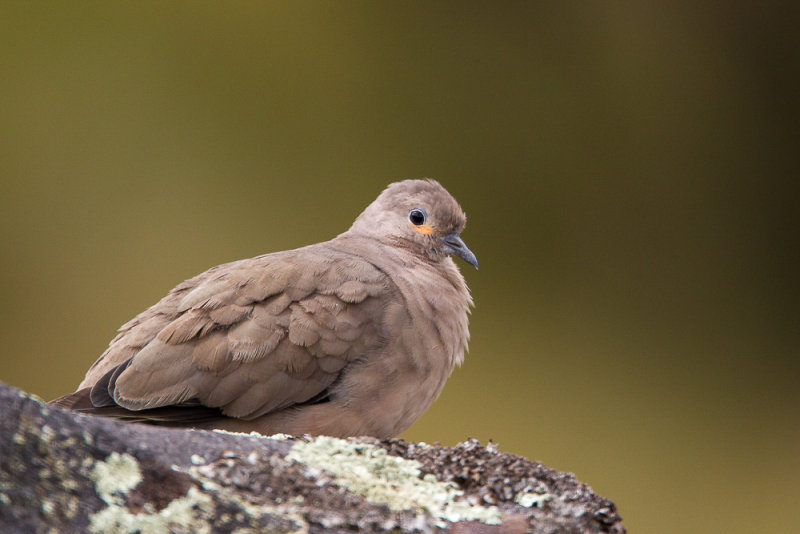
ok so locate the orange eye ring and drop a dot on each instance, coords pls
(424, 229)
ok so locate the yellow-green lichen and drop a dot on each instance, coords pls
(186, 514)
(46, 433)
(30, 396)
(254, 434)
(381, 478)
(531, 499)
(118, 474)
(280, 436)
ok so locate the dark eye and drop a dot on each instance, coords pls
(417, 216)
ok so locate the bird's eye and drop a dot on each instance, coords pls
(417, 216)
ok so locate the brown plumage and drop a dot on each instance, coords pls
(354, 336)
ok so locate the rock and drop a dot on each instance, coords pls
(63, 472)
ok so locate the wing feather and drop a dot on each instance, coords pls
(249, 338)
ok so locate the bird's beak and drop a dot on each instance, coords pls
(454, 245)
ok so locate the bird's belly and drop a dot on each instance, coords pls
(390, 393)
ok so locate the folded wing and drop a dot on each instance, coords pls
(246, 338)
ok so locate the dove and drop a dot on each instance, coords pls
(353, 336)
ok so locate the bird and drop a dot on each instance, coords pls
(355, 336)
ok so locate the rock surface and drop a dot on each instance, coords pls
(62, 472)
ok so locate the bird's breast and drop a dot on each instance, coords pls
(429, 329)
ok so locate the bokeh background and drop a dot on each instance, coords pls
(629, 172)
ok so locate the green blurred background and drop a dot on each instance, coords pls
(628, 170)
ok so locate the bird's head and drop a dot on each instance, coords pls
(419, 215)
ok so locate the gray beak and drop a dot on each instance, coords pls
(454, 245)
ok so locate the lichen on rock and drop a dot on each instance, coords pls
(117, 474)
(381, 478)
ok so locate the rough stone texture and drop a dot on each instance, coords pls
(62, 472)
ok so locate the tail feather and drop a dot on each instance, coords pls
(187, 414)
(78, 401)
